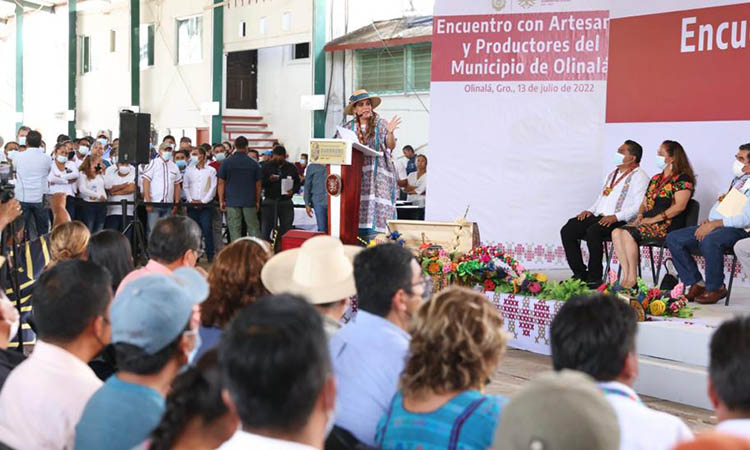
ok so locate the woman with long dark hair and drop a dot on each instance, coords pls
(110, 249)
(662, 208)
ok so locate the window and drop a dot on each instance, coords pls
(85, 54)
(243, 28)
(301, 51)
(190, 40)
(146, 43)
(394, 70)
(262, 25)
(286, 21)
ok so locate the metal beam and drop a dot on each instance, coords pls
(19, 63)
(217, 70)
(72, 63)
(319, 63)
(135, 52)
(35, 6)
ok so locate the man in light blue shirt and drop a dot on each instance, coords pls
(712, 237)
(32, 167)
(316, 197)
(369, 353)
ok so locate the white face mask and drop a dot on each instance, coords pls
(737, 168)
(83, 150)
(123, 170)
(22, 140)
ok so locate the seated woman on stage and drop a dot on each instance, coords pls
(666, 198)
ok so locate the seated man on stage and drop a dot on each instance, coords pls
(714, 236)
(616, 205)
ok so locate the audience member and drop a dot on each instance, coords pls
(186, 143)
(252, 153)
(63, 177)
(199, 185)
(417, 183)
(174, 242)
(22, 134)
(10, 322)
(10, 149)
(390, 289)
(321, 270)
(713, 237)
(170, 141)
(228, 147)
(662, 208)
(728, 383)
(301, 166)
(316, 196)
(280, 183)
(616, 205)
(119, 181)
(82, 151)
(596, 335)
(91, 190)
(152, 338)
(44, 396)
(111, 250)
(195, 416)
(277, 376)
(234, 281)
(457, 341)
(32, 168)
(559, 411)
(239, 191)
(68, 241)
(161, 184)
(181, 159)
(219, 154)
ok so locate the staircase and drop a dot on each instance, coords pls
(253, 128)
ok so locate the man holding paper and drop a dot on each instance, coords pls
(280, 182)
(728, 222)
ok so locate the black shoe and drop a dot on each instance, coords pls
(594, 284)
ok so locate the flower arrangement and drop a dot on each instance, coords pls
(652, 301)
(494, 270)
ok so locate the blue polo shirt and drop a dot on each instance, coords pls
(240, 173)
(119, 415)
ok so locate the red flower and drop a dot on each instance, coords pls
(602, 288)
(535, 288)
(489, 285)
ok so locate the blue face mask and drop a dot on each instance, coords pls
(619, 159)
(62, 159)
(220, 157)
(181, 163)
(166, 155)
(103, 142)
(194, 159)
(12, 154)
(661, 162)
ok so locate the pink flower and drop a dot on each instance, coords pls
(519, 268)
(535, 288)
(447, 267)
(485, 258)
(677, 291)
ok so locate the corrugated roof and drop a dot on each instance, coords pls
(391, 33)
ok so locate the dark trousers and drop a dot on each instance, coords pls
(712, 247)
(93, 214)
(204, 217)
(273, 213)
(114, 222)
(594, 234)
(37, 213)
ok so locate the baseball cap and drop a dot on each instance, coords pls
(558, 411)
(152, 310)
(268, 153)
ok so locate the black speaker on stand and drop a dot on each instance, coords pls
(135, 148)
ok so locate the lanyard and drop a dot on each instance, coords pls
(613, 391)
(616, 181)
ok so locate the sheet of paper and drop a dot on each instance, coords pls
(733, 204)
(347, 134)
(286, 185)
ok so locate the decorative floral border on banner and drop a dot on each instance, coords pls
(552, 256)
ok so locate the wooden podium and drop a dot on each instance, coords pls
(344, 159)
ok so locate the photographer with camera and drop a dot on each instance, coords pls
(32, 167)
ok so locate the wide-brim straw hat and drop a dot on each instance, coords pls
(358, 96)
(321, 270)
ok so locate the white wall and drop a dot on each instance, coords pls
(8, 81)
(299, 28)
(281, 83)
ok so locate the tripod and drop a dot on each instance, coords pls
(138, 242)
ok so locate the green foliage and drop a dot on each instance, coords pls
(564, 290)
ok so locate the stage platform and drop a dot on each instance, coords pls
(674, 353)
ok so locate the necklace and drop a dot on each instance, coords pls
(615, 181)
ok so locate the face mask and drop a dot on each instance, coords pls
(62, 159)
(661, 162)
(12, 154)
(114, 159)
(619, 159)
(181, 163)
(83, 150)
(166, 155)
(737, 168)
(123, 170)
(103, 142)
(303, 162)
(220, 157)
(22, 140)
(194, 159)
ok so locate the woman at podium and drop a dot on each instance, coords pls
(377, 203)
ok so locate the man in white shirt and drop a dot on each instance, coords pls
(729, 382)
(596, 335)
(199, 183)
(277, 372)
(119, 181)
(32, 168)
(43, 398)
(617, 204)
(161, 184)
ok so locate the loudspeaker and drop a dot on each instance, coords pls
(135, 131)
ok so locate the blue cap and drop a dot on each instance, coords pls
(268, 153)
(152, 310)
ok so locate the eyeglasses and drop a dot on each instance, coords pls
(426, 283)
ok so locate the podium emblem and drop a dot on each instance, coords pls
(333, 185)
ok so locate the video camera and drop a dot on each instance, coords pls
(7, 190)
